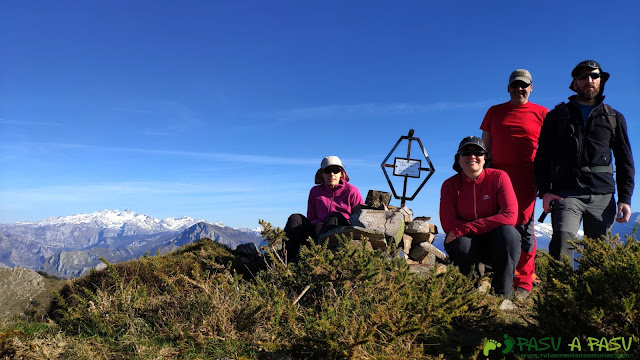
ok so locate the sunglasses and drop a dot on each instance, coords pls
(593, 75)
(332, 170)
(474, 152)
(519, 84)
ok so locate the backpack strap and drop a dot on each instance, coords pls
(611, 116)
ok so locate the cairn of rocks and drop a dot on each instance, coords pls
(388, 226)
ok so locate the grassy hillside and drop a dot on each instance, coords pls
(205, 301)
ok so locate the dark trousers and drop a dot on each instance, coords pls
(299, 229)
(499, 248)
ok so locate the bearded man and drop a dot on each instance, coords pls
(573, 165)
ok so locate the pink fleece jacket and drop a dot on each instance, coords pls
(323, 201)
(477, 206)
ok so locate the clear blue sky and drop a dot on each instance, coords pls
(222, 110)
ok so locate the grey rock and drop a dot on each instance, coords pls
(406, 244)
(423, 237)
(390, 223)
(376, 238)
(421, 225)
(378, 199)
(407, 213)
(421, 250)
(507, 305)
(430, 259)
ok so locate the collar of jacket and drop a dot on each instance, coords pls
(574, 99)
(478, 180)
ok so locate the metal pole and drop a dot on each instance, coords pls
(406, 178)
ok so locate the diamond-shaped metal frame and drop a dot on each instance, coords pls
(430, 169)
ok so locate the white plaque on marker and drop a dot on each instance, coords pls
(406, 167)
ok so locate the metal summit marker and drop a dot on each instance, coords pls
(407, 167)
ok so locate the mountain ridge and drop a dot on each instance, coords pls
(69, 246)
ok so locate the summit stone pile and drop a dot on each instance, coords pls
(388, 226)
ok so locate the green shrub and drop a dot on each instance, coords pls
(357, 303)
(601, 298)
(348, 302)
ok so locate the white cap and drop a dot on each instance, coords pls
(331, 161)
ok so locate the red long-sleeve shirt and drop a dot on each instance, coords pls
(477, 206)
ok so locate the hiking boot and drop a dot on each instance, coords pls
(521, 294)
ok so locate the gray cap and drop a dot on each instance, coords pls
(520, 75)
(473, 140)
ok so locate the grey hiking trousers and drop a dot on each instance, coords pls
(596, 211)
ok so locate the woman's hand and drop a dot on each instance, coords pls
(450, 237)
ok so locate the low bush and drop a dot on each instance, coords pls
(348, 302)
(600, 298)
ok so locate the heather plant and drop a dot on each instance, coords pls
(357, 303)
(600, 298)
(344, 302)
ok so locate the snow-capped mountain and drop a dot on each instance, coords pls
(116, 219)
(67, 246)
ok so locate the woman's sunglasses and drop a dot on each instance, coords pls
(332, 170)
(474, 152)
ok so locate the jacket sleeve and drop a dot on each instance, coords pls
(542, 162)
(356, 198)
(448, 213)
(625, 169)
(312, 214)
(508, 214)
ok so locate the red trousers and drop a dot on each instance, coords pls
(522, 178)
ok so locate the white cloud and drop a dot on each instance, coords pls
(373, 108)
(24, 122)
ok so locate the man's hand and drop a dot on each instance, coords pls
(547, 199)
(624, 213)
(450, 237)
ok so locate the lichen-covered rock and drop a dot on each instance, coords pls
(390, 223)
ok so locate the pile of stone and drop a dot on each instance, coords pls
(388, 226)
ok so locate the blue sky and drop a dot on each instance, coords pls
(222, 110)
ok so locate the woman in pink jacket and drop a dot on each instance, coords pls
(478, 211)
(330, 204)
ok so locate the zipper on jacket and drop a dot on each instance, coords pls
(475, 208)
(333, 196)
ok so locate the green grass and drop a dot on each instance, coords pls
(203, 302)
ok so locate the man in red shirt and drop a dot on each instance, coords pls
(510, 132)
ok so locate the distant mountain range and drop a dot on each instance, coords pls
(71, 246)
